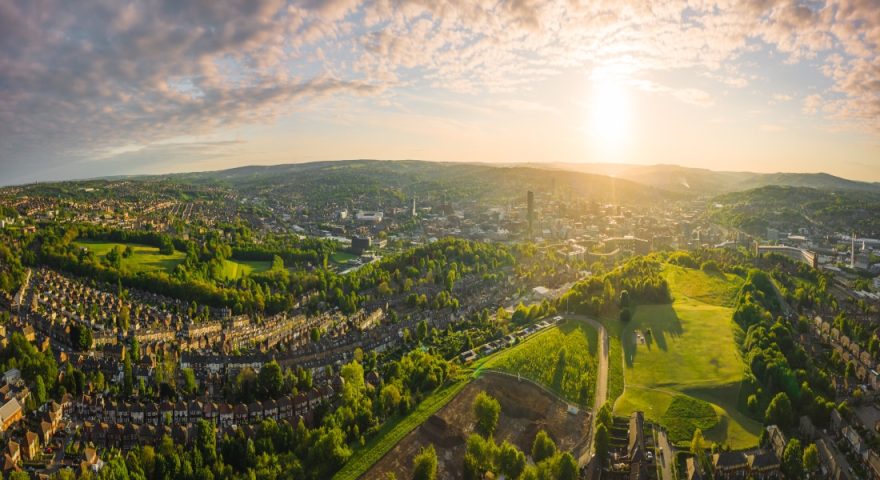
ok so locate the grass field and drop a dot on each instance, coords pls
(235, 269)
(538, 359)
(341, 257)
(688, 349)
(146, 258)
(394, 430)
(686, 414)
(615, 369)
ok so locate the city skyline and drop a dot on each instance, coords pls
(148, 87)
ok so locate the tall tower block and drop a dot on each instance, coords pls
(852, 251)
(531, 213)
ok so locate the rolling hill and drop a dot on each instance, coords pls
(702, 181)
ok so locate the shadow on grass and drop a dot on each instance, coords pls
(663, 322)
(732, 399)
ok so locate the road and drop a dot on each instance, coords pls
(668, 456)
(601, 382)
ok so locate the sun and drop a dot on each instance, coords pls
(609, 112)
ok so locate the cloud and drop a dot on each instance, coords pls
(77, 78)
(694, 96)
(812, 103)
(525, 106)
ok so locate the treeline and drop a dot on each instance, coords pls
(637, 281)
(11, 270)
(292, 249)
(804, 287)
(200, 275)
(442, 263)
(785, 380)
(165, 243)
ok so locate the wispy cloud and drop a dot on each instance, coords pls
(77, 78)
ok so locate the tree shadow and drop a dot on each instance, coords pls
(663, 322)
(731, 398)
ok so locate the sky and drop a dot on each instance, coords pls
(99, 88)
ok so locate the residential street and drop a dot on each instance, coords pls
(668, 456)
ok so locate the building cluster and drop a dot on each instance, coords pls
(630, 457)
(849, 351)
(120, 204)
(106, 421)
(829, 250)
(58, 302)
(26, 436)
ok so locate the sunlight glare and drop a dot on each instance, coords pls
(609, 118)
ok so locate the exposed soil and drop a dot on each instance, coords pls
(525, 409)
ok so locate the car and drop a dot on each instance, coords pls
(650, 456)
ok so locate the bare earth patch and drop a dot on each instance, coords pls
(525, 409)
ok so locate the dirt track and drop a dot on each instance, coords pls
(525, 409)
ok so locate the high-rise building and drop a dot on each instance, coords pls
(531, 213)
(852, 251)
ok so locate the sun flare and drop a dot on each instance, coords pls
(609, 109)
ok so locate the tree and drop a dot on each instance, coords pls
(135, 349)
(422, 330)
(850, 371)
(270, 380)
(81, 337)
(206, 440)
(603, 438)
(425, 464)
(487, 411)
(710, 267)
(811, 458)
(390, 395)
(384, 289)
(779, 411)
(567, 468)
(40, 390)
(624, 298)
(190, 386)
(752, 403)
(605, 416)
(698, 446)
(124, 318)
(543, 447)
(511, 461)
(792, 459)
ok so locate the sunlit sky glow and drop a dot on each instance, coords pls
(105, 88)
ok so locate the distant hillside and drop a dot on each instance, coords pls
(703, 181)
(789, 208)
(352, 178)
